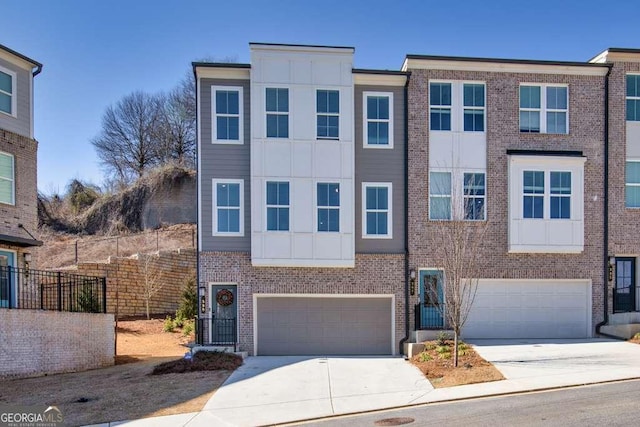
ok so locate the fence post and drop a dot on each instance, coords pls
(104, 294)
(42, 295)
(59, 276)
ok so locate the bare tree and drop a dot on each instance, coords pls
(127, 141)
(458, 237)
(153, 278)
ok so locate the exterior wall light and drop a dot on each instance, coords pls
(612, 263)
(412, 281)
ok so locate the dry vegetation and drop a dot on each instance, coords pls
(436, 363)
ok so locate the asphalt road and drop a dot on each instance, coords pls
(614, 404)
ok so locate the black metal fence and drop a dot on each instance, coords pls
(427, 317)
(217, 331)
(23, 288)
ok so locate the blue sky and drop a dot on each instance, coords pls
(96, 51)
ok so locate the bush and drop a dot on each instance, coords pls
(201, 361)
(188, 308)
(178, 322)
(168, 325)
(424, 357)
(187, 329)
(87, 300)
(442, 338)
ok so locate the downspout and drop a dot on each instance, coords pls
(605, 251)
(406, 215)
(199, 332)
(37, 71)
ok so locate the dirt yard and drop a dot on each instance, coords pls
(125, 391)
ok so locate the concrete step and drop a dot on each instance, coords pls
(428, 334)
(219, 348)
(624, 318)
(623, 331)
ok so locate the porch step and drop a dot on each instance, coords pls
(428, 335)
(625, 331)
(624, 318)
(219, 348)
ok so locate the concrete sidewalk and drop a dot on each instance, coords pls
(270, 390)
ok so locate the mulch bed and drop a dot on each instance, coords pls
(201, 361)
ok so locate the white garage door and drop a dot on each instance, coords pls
(323, 325)
(530, 309)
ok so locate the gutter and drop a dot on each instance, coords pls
(37, 71)
(406, 215)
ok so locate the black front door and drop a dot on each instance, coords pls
(624, 295)
(224, 314)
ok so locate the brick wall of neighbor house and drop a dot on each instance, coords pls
(38, 342)
(373, 274)
(586, 118)
(125, 282)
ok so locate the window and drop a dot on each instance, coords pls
(440, 195)
(633, 97)
(6, 179)
(277, 112)
(277, 206)
(378, 122)
(560, 200)
(227, 121)
(328, 201)
(7, 91)
(543, 109)
(474, 196)
(473, 107)
(377, 213)
(228, 213)
(533, 188)
(632, 184)
(328, 114)
(440, 106)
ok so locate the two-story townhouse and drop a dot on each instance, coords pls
(517, 145)
(18, 149)
(301, 194)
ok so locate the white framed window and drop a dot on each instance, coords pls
(440, 195)
(7, 179)
(537, 195)
(544, 108)
(560, 195)
(632, 184)
(327, 114)
(378, 119)
(474, 104)
(228, 207)
(277, 108)
(227, 108)
(474, 190)
(633, 97)
(440, 106)
(278, 205)
(328, 206)
(457, 106)
(533, 194)
(377, 212)
(7, 92)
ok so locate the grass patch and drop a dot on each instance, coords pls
(201, 361)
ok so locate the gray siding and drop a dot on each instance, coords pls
(380, 165)
(22, 123)
(221, 161)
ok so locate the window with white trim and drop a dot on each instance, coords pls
(378, 119)
(533, 194)
(440, 195)
(227, 112)
(457, 106)
(228, 207)
(277, 107)
(7, 91)
(633, 97)
(473, 100)
(474, 196)
(632, 184)
(544, 109)
(440, 106)
(328, 206)
(536, 194)
(327, 114)
(560, 199)
(377, 210)
(277, 206)
(7, 179)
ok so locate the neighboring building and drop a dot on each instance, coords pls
(18, 149)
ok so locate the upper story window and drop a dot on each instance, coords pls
(632, 184)
(544, 109)
(328, 201)
(377, 211)
(440, 195)
(277, 107)
(633, 97)
(227, 121)
(533, 197)
(7, 91)
(378, 119)
(473, 107)
(560, 199)
(474, 196)
(457, 106)
(328, 114)
(535, 194)
(440, 106)
(277, 206)
(7, 183)
(228, 211)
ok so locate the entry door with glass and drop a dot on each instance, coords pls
(7, 287)
(624, 296)
(431, 298)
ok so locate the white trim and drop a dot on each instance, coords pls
(296, 262)
(318, 114)
(210, 308)
(365, 120)
(443, 195)
(12, 180)
(626, 184)
(379, 79)
(214, 205)
(13, 94)
(389, 187)
(278, 113)
(14, 282)
(543, 110)
(199, 167)
(223, 73)
(457, 107)
(214, 122)
(484, 204)
(627, 97)
(316, 207)
(266, 205)
(392, 297)
(501, 67)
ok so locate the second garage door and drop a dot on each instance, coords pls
(530, 309)
(323, 325)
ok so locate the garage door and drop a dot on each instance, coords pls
(530, 309)
(323, 326)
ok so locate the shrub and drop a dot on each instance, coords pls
(429, 346)
(442, 338)
(168, 325)
(424, 357)
(636, 336)
(446, 355)
(188, 308)
(178, 322)
(187, 329)
(462, 346)
(87, 301)
(442, 349)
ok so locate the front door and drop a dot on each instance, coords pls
(431, 299)
(7, 287)
(624, 296)
(224, 314)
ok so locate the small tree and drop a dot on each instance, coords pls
(152, 276)
(188, 308)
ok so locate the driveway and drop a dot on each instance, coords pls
(269, 390)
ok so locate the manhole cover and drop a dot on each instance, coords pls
(394, 421)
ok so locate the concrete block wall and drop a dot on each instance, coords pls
(38, 342)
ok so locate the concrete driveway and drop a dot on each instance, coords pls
(269, 390)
